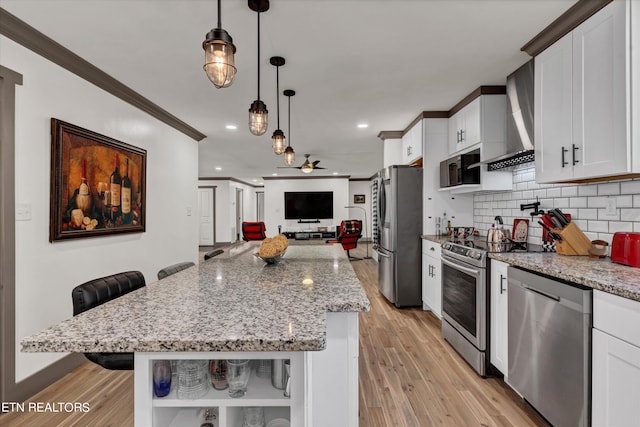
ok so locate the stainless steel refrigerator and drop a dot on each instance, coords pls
(399, 223)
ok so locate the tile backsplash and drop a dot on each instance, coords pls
(599, 209)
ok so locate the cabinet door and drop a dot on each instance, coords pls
(431, 283)
(499, 315)
(454, 133)
(406, 147)
(471, 126)
(553, 111)
(600, 138)
(616, 381)
(436, 285)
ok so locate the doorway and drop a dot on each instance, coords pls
(207, 216)
(239, 213)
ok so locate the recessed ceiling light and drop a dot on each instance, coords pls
(255, 180)
(261, 183)
(363, 125)
(218, 168)
(231, 127)
(335, 173)
(274, 174)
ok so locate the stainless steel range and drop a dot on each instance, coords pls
(465, 303)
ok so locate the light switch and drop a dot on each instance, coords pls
(611, 207)
(23, 212)
(188, 210)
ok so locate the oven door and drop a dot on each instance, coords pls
(464, 300)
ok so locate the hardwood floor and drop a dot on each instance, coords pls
(409, 376)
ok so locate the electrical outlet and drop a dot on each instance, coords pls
(611, 207)
(189, 210)
(23, 212)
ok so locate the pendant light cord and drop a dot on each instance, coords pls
(219, 15)
(258, 53)
(278, 93)
(289, 124)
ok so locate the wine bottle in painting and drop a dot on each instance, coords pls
(125, 192)
(83, 199)
(115, 188)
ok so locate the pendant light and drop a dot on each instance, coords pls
(219, 49)
(258, 114)
(278, 138)
(289, 154)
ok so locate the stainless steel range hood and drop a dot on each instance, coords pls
(519, 120)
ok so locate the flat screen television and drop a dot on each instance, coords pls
(308, 205)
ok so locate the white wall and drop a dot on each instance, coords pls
(361, 187)
(274, 202)
(226, 206)
(45, 272)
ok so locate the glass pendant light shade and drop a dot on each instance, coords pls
(219, 63)
(258, 118)
(289, 156)
(219, 51)
(278, 142)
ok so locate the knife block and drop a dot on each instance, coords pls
(574, 241)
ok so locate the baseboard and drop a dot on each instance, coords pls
(44, 378)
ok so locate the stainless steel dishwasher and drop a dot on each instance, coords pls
(550, 346)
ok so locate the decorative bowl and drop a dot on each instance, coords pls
(271, 259)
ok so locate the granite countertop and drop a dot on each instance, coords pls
(601, 274)
(233, 302)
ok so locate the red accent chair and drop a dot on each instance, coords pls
(253, 231)
(349, 233)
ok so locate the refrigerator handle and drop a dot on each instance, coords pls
(382, 254)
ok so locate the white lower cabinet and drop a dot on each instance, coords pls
(615, 361)
(499, 315)
(431, 278)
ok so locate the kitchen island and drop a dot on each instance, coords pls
(304, 309)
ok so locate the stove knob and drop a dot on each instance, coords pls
(476, 255)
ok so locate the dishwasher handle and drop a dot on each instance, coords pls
(539, 292)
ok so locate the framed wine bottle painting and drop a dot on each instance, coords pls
(98, 184)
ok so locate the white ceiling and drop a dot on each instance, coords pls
(379, 62)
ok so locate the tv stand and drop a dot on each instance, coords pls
(308, 221)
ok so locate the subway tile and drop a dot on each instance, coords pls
(607, 237)
(588, 213)
(578, 202)
(554, 192)
(615, 226)
(609, 189)
(569, 191)
(636, 201)
(532, 185)
(528, 195)
(597, 202)
(587, 190)
(591, 236)
(630, 214)
(581, 223)
(630, 187)
(624, 201)
(522, 186)
(540, 193)
(598, 226)
(561, 203)
(602, 214)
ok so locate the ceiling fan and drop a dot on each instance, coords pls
(306, 167)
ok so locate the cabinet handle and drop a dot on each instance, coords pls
(457, 136)
(409, 151)
(501, 281)
(574, 148)
(461, 135)
(564, 150)
(432, 248)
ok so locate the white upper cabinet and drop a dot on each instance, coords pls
(483, 120)
(584, 98)
(412, 144)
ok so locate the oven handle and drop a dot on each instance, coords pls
(471, 271)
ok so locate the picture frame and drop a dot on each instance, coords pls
(520, 232)
(98, 184)
(358, 198)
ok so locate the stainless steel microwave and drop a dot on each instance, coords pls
(460, 169)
